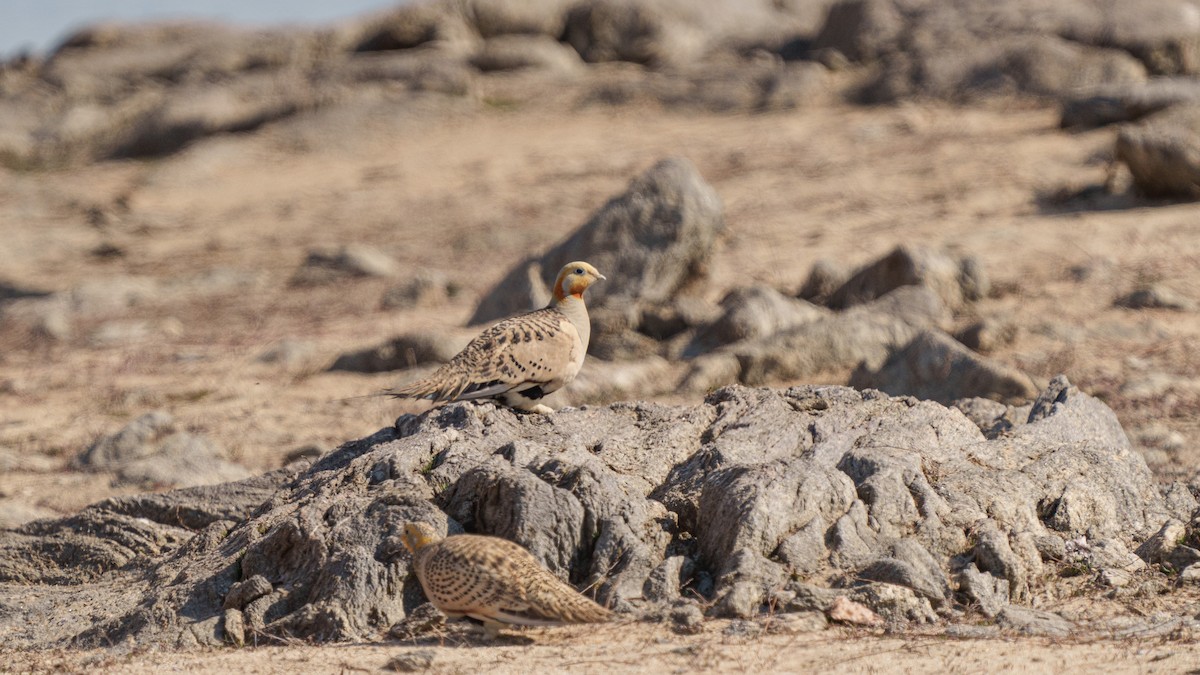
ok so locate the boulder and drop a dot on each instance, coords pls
(518, 52)
(936, 367)
(149, 451)
(651, 242)
(753, 312)
(1162, 152)
(867, 334)
(1127, 103)
(955, 281)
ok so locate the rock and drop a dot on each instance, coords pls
(517, 52)
(663, 584)
(519, 17)
(233, 623)
(1027, 621)
(845, 610)
(863, 31)
(992, 417)
(895, 604)
(1127, 103)
(149, 451)
(437, 24)
(412, 661)
(355, 260)
(755, 496)
(968, 50)
(1179, 500)
(687, 618)
(911, 566)
(429, 289)
(753, 312)
(1115, 577)
(795, 85)
(825, 277)
(651, 241)
(906, 266)
(1190, 574)
(133, 441)
(987, 591)
(1182, 557)
(665, 321)
(403, 352)
(934, 366)
(616, 30)
(867, 334)
(1161, 34)
(247, 591)
(988, 335)
(1162, 152)
(1156, 296)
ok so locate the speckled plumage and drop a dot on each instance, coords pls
(523, 358)
(494, 581)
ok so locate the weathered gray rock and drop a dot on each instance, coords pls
(619, 30)
(825, 277)
(986, 591)
(150, 452)
(1028, 621)
(519, 17)
(650, 241)
(935, 366)
(1128, 103)
(911, 266)
(1162, 152)
(868, 334)
(753, 312)
(519, 52)
(988, 335)
(863, 31)
(731, 499)
(971, 49)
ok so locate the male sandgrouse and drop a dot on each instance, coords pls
(494, 581)
(522, 358)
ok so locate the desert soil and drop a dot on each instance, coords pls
(473, 189)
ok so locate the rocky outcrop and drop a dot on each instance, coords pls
(651, 242)
(1163, 152)
(755, 497)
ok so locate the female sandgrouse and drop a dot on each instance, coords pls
(494, 581)
(522, 358)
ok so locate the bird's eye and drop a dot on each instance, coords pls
(578, 270)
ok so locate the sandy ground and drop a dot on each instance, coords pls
(647, 648)
(469, 194)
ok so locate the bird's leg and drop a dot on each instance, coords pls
(491, 629)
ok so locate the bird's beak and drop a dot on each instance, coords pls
(601, 277)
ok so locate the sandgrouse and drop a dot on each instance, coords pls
(494, 581)
(523, 358)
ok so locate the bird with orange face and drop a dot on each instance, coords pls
(523, 358)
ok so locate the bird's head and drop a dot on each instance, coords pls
(417, 536)
(574, 279)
